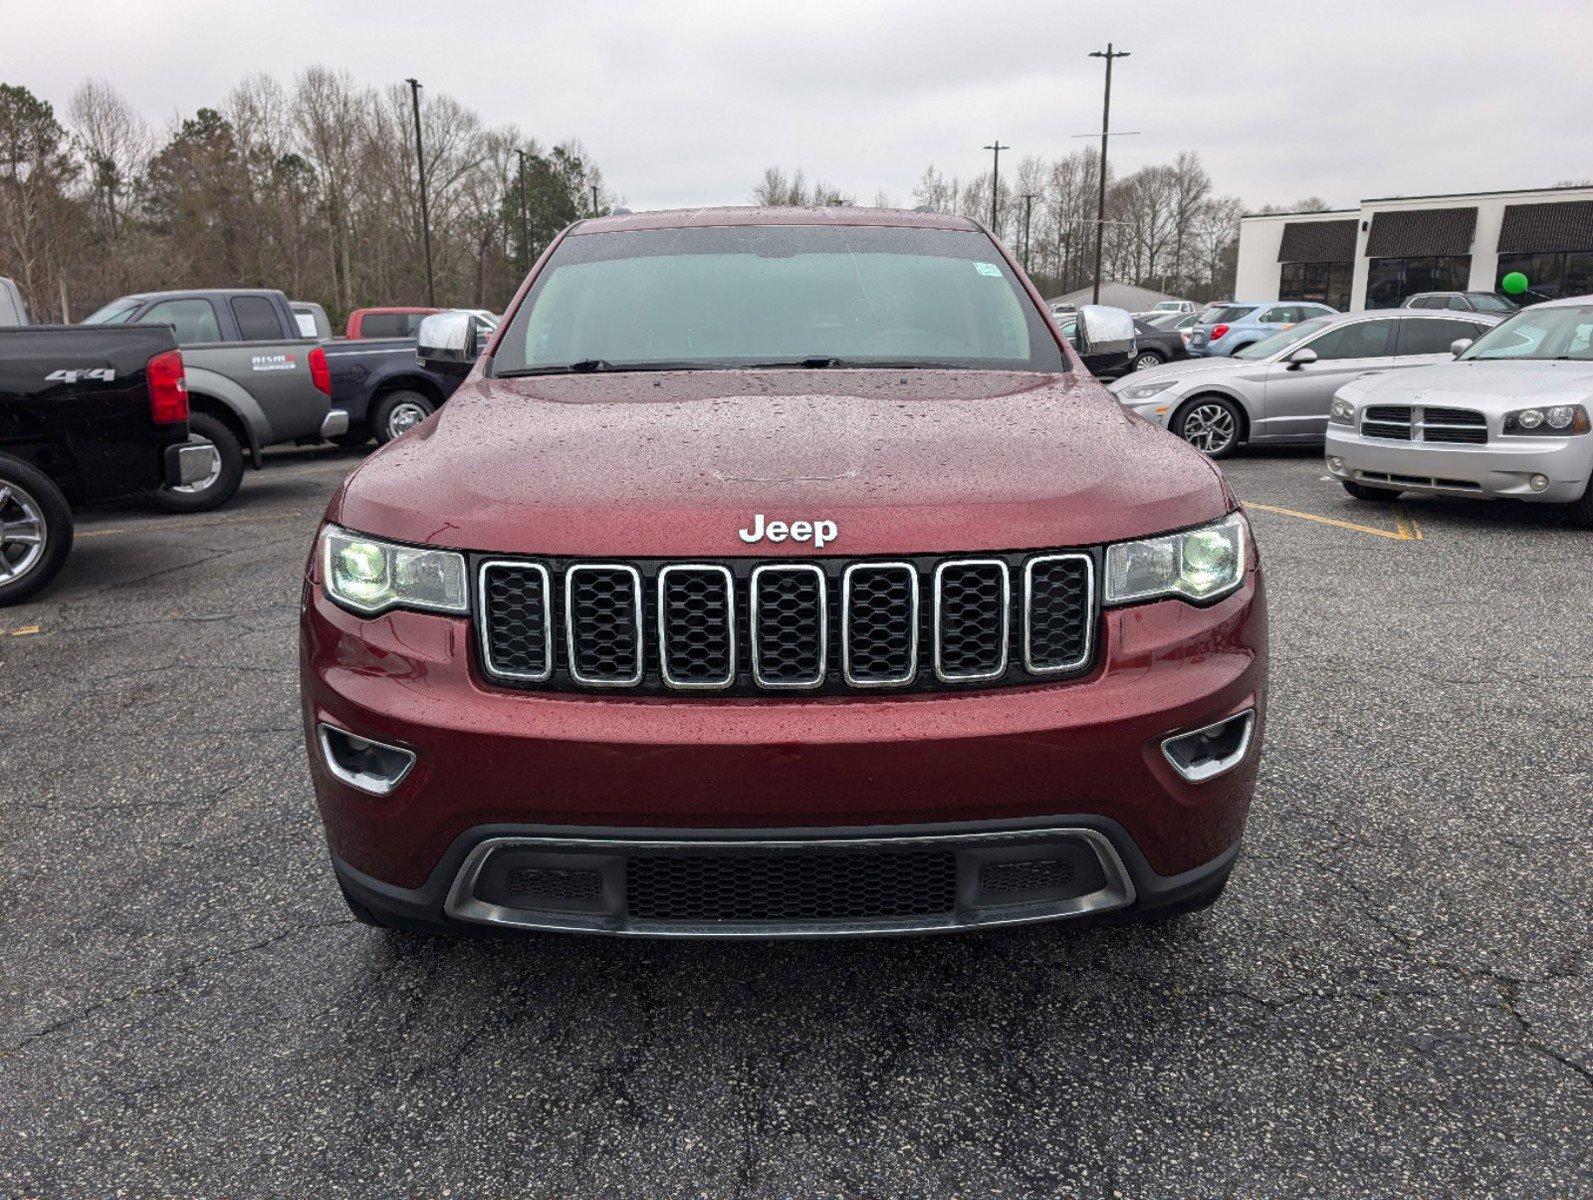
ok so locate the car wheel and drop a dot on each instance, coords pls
(1211, 425)
(398, 413)
(35, 530)
(1372, 495)
(1146, 360)
(221, 484)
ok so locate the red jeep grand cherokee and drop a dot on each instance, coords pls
(781, 572)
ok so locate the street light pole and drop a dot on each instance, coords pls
(1028, 210)
(525, 220)
(1106, 125)
(420, 167)
(995, 184)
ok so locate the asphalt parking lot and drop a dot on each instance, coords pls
(1394, 997)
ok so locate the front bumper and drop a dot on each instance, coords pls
(1061, 763)
(189, 463)
(1498, 469)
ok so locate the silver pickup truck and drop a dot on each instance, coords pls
(252, 382)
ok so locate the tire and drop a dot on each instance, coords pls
(357, 436)
(399, 412)
(1145, 360)
(35, 530)
(1211, 424)
(223, 483)
(1371, 495)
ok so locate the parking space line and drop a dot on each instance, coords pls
(159, 526)
(24, 631)
(1406, 531)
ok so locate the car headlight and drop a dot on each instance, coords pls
(1341, 412)
(1558, 420)
(1198, 564)
(1144, 391)
(371, 576)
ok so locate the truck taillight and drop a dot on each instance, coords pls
(1217, 331)
(320, 373)
(168, 388)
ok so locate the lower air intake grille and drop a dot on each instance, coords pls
(796, 887)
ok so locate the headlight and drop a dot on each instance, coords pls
(1341, 412)
(372, 576)
(1199, 564)
(1552, 421)
(1144, 391)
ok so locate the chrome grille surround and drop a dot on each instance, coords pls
(818, 625)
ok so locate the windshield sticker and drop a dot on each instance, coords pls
(985, 268)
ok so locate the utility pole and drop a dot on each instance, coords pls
(420, 167)
(594, 199)
(525, 220)
(1028, 210)
(1106, 125)
(995, 185)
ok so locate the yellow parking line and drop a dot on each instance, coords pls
(1407, 523)
(1404, 534)
(25, 631)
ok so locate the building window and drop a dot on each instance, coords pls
(1323, 282)
(1390, 280)
(1549, 276)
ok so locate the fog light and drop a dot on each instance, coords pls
(1206, 753)
(369, 766)
(1538, 482)
(1335, 463)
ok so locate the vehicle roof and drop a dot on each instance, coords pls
(401, 308)
(1406, 314)
(208, 293)
(1564, 302)
(685, 218)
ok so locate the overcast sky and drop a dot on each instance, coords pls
(686, 101)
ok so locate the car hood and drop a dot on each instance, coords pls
(1179, 369)
(1493, 386)
(675, 464)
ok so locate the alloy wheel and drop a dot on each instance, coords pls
(23, 532)
(404, 417)
(1209, 428)
(1146, 361)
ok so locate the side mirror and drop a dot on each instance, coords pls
(1459, 346)
(447, 339)
(1302, 357)
(1104, 330)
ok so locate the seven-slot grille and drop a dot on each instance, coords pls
(825, 625)
(1405, 423)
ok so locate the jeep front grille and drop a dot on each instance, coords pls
(823, 625)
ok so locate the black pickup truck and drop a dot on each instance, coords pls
(87, 415)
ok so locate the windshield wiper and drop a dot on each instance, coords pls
(589, 366)
(821, 362)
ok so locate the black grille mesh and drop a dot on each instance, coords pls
(1028, 875)
(881, 624)
(553, 883)
(516, 596)
(604, 623)
(792, 887)
(697, 633)
(971, 638)
(1059, 612)
(790, 621)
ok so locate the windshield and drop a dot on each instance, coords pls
(1539, 333)
(1281, 340)
(1489, 303)
(1216, 314)
(116, 312)
(777, 295)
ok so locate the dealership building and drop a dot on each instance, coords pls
(1376, 255)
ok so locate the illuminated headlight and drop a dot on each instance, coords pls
(1144, 391)
(1341, 412)
(371, 576)
(1198, 564)
(1553, 421)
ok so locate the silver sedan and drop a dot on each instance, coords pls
(1279, 389)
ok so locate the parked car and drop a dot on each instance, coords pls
(1280, 388)
(12, 311)
(1509, 419)
(251, 382)
(384, 388)
(1228, 326)
(731, 538)
(1155, 346)
(1485, 302)
(311, 320)
(386, 322)
(86, 416)
(1175, 306)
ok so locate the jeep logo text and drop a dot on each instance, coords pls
(818, 532)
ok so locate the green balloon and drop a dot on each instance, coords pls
(1514, 283)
